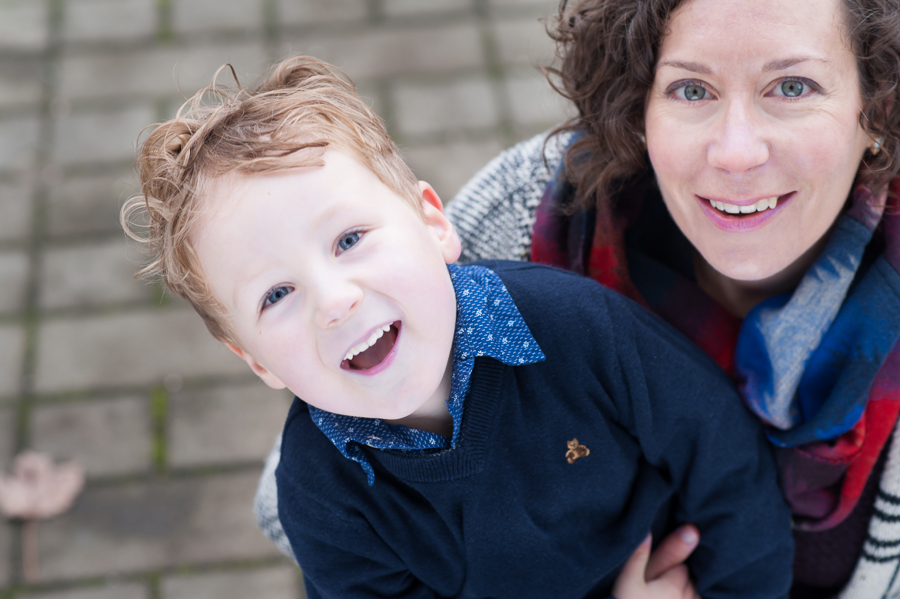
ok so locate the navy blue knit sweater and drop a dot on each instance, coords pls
(505, 514)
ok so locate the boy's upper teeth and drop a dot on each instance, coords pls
(360, 348)
(763, 204)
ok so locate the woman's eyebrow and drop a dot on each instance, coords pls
(775, 65)
(695, 67)
(780, 65)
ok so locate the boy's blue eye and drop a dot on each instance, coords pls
(276, 295)
(348, 241)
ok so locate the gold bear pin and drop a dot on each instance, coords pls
(576, 451)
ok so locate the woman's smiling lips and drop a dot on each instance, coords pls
(739, 216)
(375, 352)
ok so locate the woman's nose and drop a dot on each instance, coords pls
(336, 300)
(739, 144)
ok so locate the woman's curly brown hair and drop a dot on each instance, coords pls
(608, 51)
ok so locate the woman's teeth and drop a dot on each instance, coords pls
(763, 204)
(358, 349)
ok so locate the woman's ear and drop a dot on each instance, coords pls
(433, 213)
(258, 369)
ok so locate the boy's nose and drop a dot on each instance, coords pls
(336, 301)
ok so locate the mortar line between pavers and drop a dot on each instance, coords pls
(377, 24)
(150, 578)
(44, 178)
(165, 30)
(496, 73)
(174, 475)
(187, 386)
(42, 172)
(270, 33)
(237, 565)
(375, 10)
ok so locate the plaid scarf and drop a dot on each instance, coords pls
(820, 366)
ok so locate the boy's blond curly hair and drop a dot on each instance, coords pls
(302, 106)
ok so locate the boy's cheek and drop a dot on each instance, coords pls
(258, 369)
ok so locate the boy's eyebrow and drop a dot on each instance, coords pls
(243, 287)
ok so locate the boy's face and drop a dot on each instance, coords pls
(313, 264)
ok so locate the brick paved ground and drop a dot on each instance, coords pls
(172, 429)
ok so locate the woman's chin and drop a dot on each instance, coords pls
(749, 273)
(756, 270)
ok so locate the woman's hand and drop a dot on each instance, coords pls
(662, 575)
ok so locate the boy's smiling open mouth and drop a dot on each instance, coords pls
(372, 351)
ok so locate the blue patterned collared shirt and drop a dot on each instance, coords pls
(487, 324)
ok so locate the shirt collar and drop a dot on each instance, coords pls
(487, 324)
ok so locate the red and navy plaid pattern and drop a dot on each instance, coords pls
(851, 396)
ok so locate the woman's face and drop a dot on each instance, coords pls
(753, 130)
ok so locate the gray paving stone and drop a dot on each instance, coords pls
(13, 278)
(225, 424)
(23, 25)
(449, 166)
(18, 141)
(109, 20)
(396, 50)
(15, 211)
(7, 532)
(88, 203)
(20, 81)
(308, 12)
(394, 8)
(12, 348)
(76, 140)
(192, 16)
(160, 72)
(133, 348)
(281, 582)
(144, 526)
(467, 103)
(107, 437)
(92, 275)
(7, 441)
(523, 41)
(112, 590)
(534, 103)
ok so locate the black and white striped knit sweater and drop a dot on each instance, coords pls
(494, 216)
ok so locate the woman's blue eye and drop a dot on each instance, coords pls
(693, 93)
(276, 295)
(792, 88)
(348, 241)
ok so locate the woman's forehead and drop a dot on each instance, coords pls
(730, 28)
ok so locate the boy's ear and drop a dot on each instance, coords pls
(260, 371)
(433, 211)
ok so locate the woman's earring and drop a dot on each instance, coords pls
(876, 145)
(643, 139)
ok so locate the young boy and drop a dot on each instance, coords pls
(496, 430)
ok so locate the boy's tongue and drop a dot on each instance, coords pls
(375, 354)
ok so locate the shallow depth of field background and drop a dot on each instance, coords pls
(95, 366)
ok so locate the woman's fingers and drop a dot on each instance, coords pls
(673, 551)
(633, 581)
(631, 577)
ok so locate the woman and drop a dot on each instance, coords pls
(729, 169)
